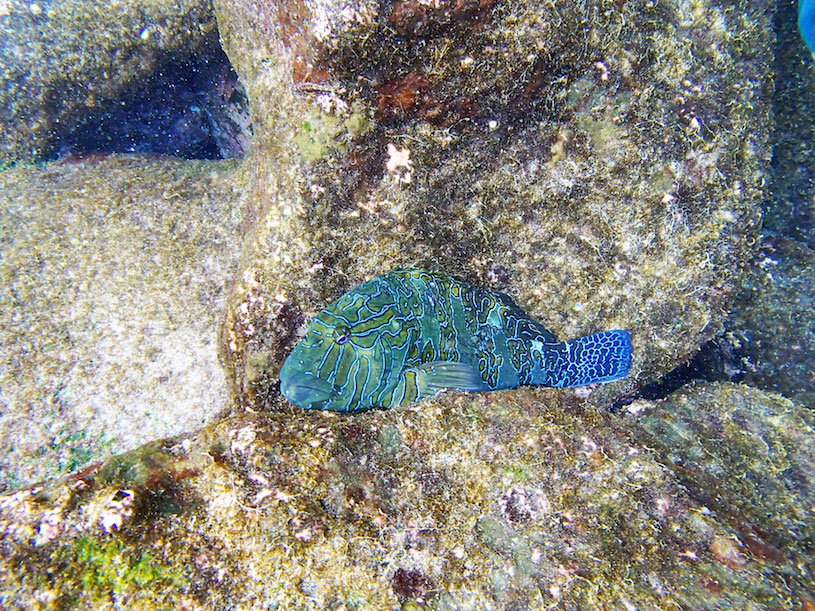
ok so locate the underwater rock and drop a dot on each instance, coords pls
(60, 61)
(745, 454)
(606, 162)
(494, 501)
(771, 326)
(112, 279)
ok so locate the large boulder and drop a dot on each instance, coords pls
(114, 275)
(505, 500)
(745, 454)
(602, 163)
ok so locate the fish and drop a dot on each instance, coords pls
(408, 334)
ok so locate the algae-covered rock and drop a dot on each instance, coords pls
(112, 279)
(603, 163)
(62, 58)
(747, 455)
(511, 500)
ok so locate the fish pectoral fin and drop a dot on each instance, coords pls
(438, 375)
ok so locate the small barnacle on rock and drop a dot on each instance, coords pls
(399, 164)
(601, 66)
(497, 275)
(728, 551)
(515, 505)
(242, 440)
(49, 528)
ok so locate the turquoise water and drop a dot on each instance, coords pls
(806, 22)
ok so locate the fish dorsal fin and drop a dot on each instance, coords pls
(438, 375)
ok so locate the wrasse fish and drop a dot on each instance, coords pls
(406, 335)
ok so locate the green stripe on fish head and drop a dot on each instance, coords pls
(352, 353)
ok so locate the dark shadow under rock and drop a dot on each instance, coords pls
(61, 61)
(194, 109)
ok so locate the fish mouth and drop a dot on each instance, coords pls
(306, 390)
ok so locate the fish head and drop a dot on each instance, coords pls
(346, 354)
(308, 374)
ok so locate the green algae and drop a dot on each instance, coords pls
(330, 132)
(70, 450)
(134, 468)
(390, 442)
(108, 572)
(317, 136)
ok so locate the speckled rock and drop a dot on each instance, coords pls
(745, 454)
(60, 59)
(771, 330)
(113, 275)
(601, 163)
(511, 500)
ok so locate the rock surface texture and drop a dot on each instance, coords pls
(772, 331)
(603, 164)
(112, 281)
(791, 210)
(497, 501)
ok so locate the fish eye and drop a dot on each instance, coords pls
(341, 335)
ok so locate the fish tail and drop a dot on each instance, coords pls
(601, 357)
